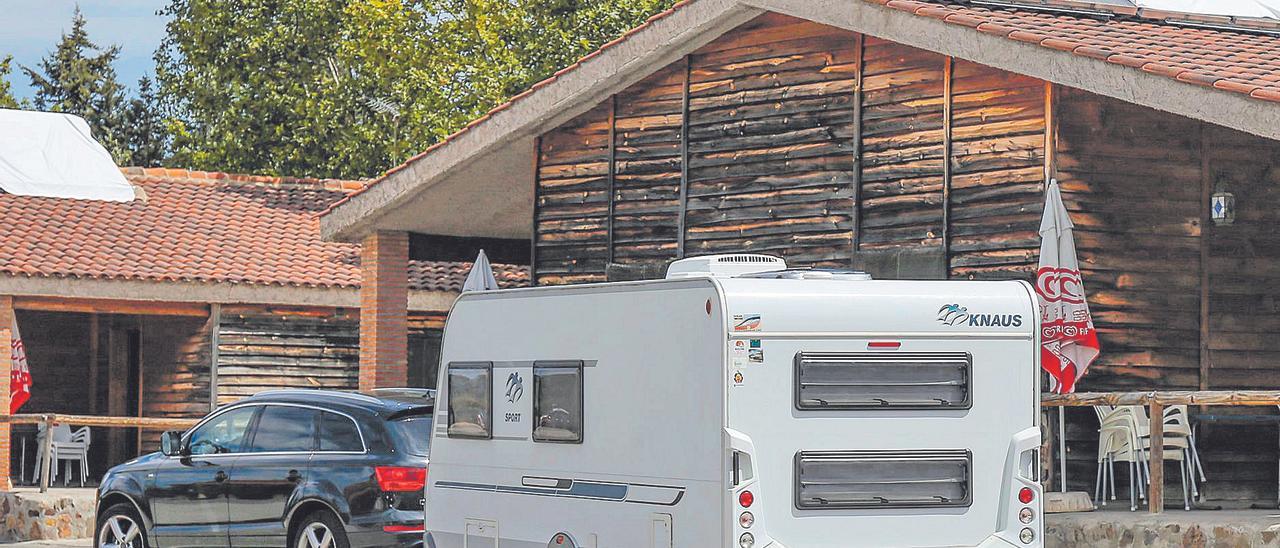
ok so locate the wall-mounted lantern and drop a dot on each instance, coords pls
(1222, 205)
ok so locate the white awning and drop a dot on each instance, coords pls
(54, 155)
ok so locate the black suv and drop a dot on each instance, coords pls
(308, 468)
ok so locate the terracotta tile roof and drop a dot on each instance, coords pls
(1237, 61)
(201, 227)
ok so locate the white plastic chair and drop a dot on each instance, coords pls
(1132, 420)
(67, 446)
(1118, 440)
(1179, 445)
(1177, 421)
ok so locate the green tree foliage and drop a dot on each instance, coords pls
(349, 88)
(78, 78)
(7, 100)
(145, 132)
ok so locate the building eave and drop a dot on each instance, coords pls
(205, 293)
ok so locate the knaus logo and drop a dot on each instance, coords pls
(954, 314)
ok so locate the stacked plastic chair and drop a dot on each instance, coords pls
(67, 446)
(1125, 436)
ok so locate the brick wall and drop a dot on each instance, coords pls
(384, 303)
(6, 340)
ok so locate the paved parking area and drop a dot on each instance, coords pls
(80, 543)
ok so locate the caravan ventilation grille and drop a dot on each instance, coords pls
(833, 480)
(874, 380)
(752, 259)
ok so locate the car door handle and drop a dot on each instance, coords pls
(294, 476)
(220, 476)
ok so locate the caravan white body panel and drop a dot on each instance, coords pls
(634, 341)
(691, 395)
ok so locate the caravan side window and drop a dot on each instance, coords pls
(557, 402)
(470, 400)
(875, 380)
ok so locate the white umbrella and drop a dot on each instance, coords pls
(481, 276)
(1068, 340)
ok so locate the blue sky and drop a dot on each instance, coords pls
(32, 27)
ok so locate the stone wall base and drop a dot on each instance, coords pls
(27, 514)
(1172, 529)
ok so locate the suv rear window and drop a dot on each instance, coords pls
(412, 434)
(339, 433)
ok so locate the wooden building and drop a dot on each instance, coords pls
(214, 288)
(913, 140)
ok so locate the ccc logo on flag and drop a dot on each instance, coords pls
(1060, 284)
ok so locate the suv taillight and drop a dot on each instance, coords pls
(400, 479)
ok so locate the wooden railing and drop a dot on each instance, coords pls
(1156, 402)
(49, 420)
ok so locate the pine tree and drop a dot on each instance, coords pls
(145, 132)
(78, 78)
(7, 100)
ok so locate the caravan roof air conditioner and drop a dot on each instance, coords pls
(725, 266)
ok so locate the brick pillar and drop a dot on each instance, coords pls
(6, 353)
(384, 310)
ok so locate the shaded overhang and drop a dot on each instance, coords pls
(480, 181)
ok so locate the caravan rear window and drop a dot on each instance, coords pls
(830, 480)
(470, 400)
(874, 380)
(557, 402)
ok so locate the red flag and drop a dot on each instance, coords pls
(1069, 341)
(19, 374)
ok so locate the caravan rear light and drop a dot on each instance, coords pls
(400, 479)
(883, 345)
(745, 498)
(1026, 495)
(747, 540)
(746, 520)
(1026, 515)
(1027, 536)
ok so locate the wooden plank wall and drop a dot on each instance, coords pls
(1244, 263)
(572, 203)
(771, 135)
(175, 370)
(1131, 179)
(775, 126)
(264, 349)
(997, 172)
(648, 154)
(902, 147)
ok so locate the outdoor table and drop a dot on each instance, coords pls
(1245, 419)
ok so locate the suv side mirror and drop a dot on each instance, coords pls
(171, 443)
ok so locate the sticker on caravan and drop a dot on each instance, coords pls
(756, 355)
(746, 322)
(738, 378)
(738, 353)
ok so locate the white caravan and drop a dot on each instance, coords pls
(737, 404)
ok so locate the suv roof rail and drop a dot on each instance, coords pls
(311, 392)
(422, 393)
